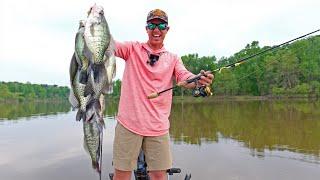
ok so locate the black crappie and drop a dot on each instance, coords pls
(82, 60)
(97, 35)
(92, 141)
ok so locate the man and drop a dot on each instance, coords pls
(142, 122)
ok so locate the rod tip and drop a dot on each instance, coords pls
(153, 95)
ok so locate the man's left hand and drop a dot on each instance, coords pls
(207, 79)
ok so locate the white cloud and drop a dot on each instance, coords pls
(37, 36)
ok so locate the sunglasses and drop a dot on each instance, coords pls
(161, 26)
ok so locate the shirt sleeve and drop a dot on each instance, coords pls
(123, 49)
(180, 71)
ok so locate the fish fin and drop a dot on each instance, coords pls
(110, 49)
(73, 67)
(87, 53)
(73, 100)
(80, 115)
(99, 115)
(92, 30)
(89, 117)
(108, 89)
(110, 66)
(76, 51)
(88, 90)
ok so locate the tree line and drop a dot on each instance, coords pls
(16, 91)
(292, 70)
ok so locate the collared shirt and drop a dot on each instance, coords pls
(143, 116)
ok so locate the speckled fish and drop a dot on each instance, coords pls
(93, 133)
(78, 97)
(79, 76)
(82, 60)
(97, 36)
(110, 66)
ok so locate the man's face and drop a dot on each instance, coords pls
(156, 35)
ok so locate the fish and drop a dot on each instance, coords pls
(97, 36)
(82, 60)
(78, 72)
(101, 77)
(92, 141)
(110, 66)
(78, 97)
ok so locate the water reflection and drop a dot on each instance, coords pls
(14, 111)
(259, 125)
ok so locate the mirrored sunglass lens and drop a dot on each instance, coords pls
(151, 26)
(162, 26)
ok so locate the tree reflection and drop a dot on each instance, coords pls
(259, 125)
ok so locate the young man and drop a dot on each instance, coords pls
(142, 122)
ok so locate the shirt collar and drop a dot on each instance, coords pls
(148, 48)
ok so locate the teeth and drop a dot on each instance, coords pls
(156, 35)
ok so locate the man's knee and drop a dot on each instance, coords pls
(122, 175)
(158, 175)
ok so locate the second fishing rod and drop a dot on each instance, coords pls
(205, 90)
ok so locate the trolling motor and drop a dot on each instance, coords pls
(141, 173)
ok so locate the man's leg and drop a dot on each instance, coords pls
(126, 148)
(158, 156)
(158, 175)
(121, 175)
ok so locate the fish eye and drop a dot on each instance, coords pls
(101, 12)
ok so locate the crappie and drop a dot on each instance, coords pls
(78, 96)
(110, 66)
(92, 142)
(97, 35)
(82, 60)
(79, 75)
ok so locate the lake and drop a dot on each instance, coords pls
(224, 140)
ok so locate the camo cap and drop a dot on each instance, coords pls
(157, 14)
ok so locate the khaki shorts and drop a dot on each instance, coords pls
(127, 146)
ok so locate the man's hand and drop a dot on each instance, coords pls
(207, 78)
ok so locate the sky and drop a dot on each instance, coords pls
(37, 36)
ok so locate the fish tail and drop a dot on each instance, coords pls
(80, 115)
(96, 166)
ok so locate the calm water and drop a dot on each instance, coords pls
(225, 140)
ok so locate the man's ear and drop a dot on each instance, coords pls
(168, 28)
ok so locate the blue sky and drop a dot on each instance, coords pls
(37, 36)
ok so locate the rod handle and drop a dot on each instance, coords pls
(153, 95)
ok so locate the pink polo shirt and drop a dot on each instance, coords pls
(143, 116)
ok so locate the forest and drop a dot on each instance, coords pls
(290, 71)
(16, 91)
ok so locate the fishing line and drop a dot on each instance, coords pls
(101, 142)
(259, 68)
(237, 63)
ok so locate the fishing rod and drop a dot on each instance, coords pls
(205, 90)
